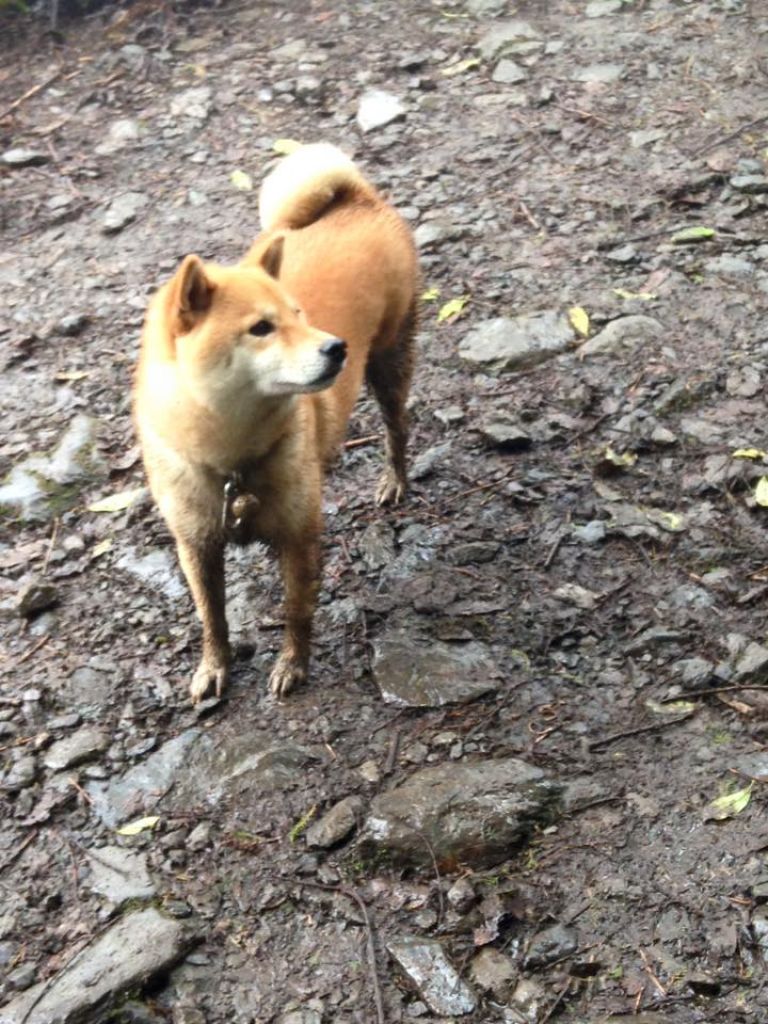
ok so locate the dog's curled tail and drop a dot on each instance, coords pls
(305, 184)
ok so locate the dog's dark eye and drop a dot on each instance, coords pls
(262, 328)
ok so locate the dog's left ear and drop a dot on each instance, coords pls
(272, 257)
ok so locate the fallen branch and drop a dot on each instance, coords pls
(639, 731)
(29, 94)
(343, 890)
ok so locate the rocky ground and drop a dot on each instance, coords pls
(526, 780)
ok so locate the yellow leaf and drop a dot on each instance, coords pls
(102, 547)
(731, 804)
(241, 180)
(460, 67)
(579, 320)
(761, 491)
(71, 375)
(140, 825)
(672, 707)
(622, 459)
(624, 294)
(430, 295)
(117, 502)
(749, 453)
(286, 146)
(452, 309)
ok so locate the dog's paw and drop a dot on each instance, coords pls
(209, 676)
(391, 488)
(285, 675)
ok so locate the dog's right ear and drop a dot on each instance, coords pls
(190, 295)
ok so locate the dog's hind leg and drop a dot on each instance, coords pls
(388, 373)
(203, 565)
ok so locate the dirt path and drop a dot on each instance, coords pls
(582, 555)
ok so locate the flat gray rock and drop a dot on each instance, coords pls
(21, 157)
(120, 874)
(81, 746)
(139, 789)
(42, 486)
(602, 8)
(599, 73)
(377, 545)
(622, 334)
(194, 103)
(509, 72)
(437, 980)
(505, 432)
(122, 211)
(336, 824)
(517, 343)
(202, 767)
(474, 813)
(378, 108)
(504, 37)
(133, 950)
(416, 675)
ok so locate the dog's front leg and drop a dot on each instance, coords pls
(203, 565)
(300, 566)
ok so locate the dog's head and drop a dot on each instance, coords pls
(237, 333)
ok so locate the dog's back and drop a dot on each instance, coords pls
(349, 261)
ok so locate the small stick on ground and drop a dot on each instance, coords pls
(358, 442)
(554, 549)
(86, 796)
(394, 747)
(649, 971)
(639, 731)
(29, 94)
(33, 649)
(560, 997)
(49, 552)
(18, 851)
(723, 139)
(370, 942)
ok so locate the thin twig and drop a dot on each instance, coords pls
(722, 140)
(637, 732)
(370, 942)
(560, 997)
(49, 552)
(394, 747)
(441, 901)
(649, 971)
(29, 94)
(357, 442)
(18, 851)
(554, 549)
(34, 649)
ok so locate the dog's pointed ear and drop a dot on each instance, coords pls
(191, 294)
(272, 257)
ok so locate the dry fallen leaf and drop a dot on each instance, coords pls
(579, 320)
(241, 180)
(286, 146)
(117, 502)
(452, 309)
(140, 825)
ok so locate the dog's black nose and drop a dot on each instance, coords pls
(335, 349)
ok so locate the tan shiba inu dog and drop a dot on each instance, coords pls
(247, 378)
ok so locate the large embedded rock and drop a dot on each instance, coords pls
(460, 813)
(507, 343)
(429, 676)
(136, 948)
